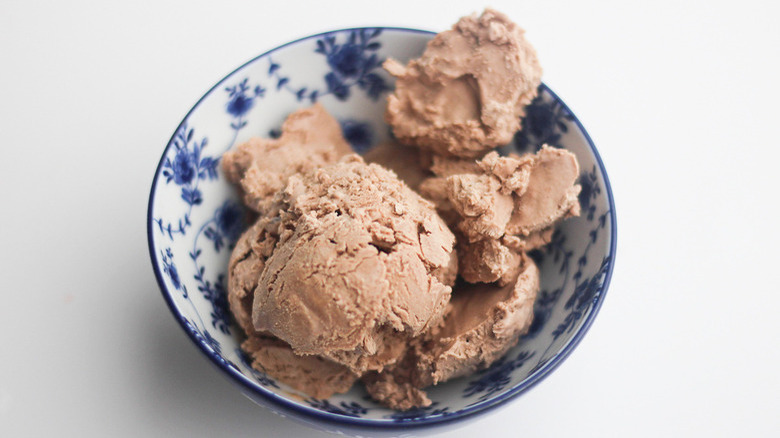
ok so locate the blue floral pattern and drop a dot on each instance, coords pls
(241, 100)
(173, 274)
(204, 336)
(186, 169)
(545, 122)
(495, 378)
(360, 135)
(412, 414)
(586, 290)
(223, 228)
(546, 298)
(351, 409)
(591, 190)
(227, 225)
(195, 218)
(353, 63)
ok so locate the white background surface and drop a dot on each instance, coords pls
(681, 99)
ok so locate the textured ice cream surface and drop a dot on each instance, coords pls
(247, 262)
(466, 94)
(482, 323)
(261, 166)
(434, 187)
(551, 194)
(358, 267)
(313, 375)
(487, 261)
(502, 206)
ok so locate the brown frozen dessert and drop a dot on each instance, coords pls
(359, 267)
(404, 160)
(314, 375)
(551, 193)
(246, 264)
(348, 271)
(481, 324)
(372, 255)
(502, 206)
(260, 167)
(434, 188)
(466, 94)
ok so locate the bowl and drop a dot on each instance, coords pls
(195, 217)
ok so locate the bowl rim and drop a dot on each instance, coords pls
(295, 408)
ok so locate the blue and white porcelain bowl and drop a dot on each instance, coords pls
(195, 217)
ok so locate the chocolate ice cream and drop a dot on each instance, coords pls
(314, 375)
(502, 206)
(465, 95)
(260, 167)
(405, 161)
(481, 324)
(358, 266)
(348, 273)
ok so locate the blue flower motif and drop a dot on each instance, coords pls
(590, 191)
(347, 60)
(242, 99)
(497, 377)
(216, 294)
(191, 195)
(336, 86)
(184, 167)
(588, 289)
(187, 168)
(557, 250)
(583, 296)
(544, 123)
(543, 306)
(230, 220)
(540, 119)
(240, 104)
(359, 134)
(352, 409)
(170, 269)
(212, 342)
(228, 223)
(352, 63)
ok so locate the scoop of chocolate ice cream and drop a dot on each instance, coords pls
(466, 94)
(261, 166)
(358, 267)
